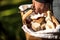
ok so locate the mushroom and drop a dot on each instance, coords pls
(49, 23)
(27, 14)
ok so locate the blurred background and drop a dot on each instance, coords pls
(10, 20)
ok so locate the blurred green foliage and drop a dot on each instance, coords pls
(10, 20)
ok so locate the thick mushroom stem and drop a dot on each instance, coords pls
(27, 14)
(48, 15)
(55, 21)
(49, 23)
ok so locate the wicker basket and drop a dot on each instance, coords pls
(44, 34)
(52, 34)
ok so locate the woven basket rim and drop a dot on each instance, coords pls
(42, 34)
